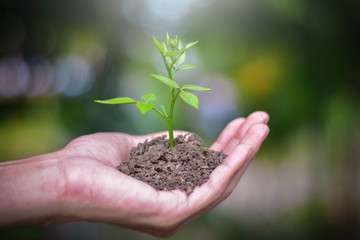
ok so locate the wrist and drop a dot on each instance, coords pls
(32, 191)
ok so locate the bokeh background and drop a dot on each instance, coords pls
(298, 60)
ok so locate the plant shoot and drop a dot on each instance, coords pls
(173, 53)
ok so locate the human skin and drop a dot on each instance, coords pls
(81, 183)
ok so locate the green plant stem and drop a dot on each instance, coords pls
(171, 132)
(167, 68)
(169, 118)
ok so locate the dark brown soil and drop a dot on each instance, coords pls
(184, 167)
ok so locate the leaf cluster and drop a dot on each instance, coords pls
(173, 52)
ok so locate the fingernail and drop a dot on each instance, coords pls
(265, 118)
(262, 117)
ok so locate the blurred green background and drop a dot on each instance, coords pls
(298, 60)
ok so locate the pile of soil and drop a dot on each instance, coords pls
(184, 167)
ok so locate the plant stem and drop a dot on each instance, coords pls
(171, 133)
(169, 118)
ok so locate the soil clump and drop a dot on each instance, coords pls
(184, 167)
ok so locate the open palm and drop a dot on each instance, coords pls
(97, 191)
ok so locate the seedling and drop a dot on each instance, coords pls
(173, 53)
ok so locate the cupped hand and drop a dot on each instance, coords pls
(96, 191)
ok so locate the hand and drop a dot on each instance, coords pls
(80, 183)
(107, 195)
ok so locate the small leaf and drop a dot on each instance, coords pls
(195, 88)
(149, 97)
(167, 38)
(171, 54)
(145, 106)
(166, 80)
(159, 45)
(176, 41)
(181, 59)
(190, 45)
(172, 43)
(121, 100)
(180, 46)
(190, 98)
(185, 66)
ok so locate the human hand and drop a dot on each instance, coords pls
(95, 190)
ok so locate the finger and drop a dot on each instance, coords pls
(253, 139)
(255, 136)
(254, 118)
(227, 134)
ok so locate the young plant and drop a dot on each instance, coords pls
(173, 53)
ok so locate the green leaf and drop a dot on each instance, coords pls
(145, 106)
(185, 66)
(149, 97)
(166, 80)
(190, 45)
(181, 59)
(195, 88)
(180, 46)
(172, 44)
(167, 38)
(159, 45)
(176, 41)
(121, 100)
(171, 54)
(190, 98)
